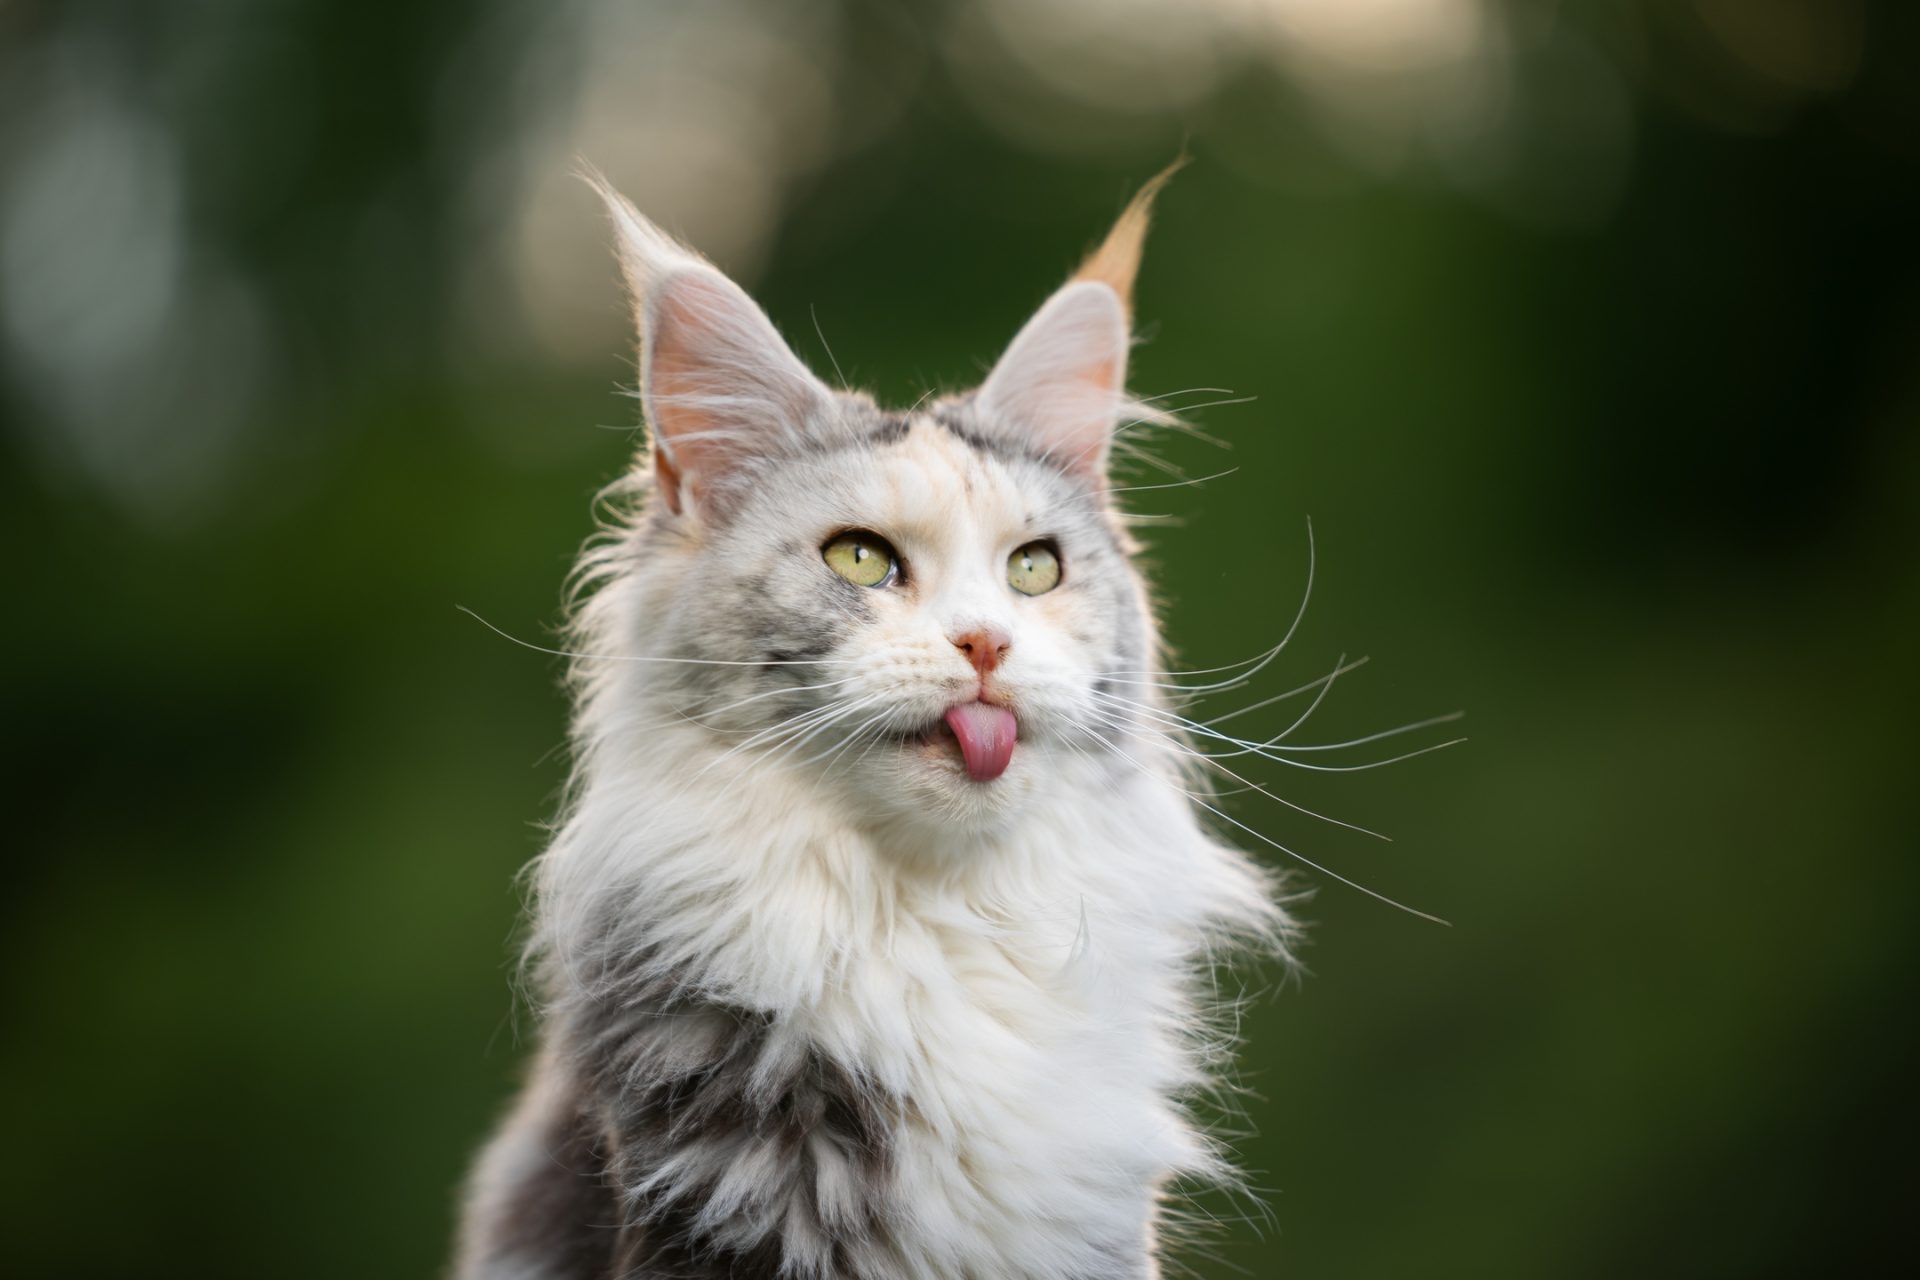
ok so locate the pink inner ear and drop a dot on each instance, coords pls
(687, 372)
(666, 480)
(676, 416)
(1062, 378)
(718, 381)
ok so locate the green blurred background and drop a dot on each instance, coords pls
(1584, 332)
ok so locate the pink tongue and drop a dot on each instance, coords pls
(986, 734)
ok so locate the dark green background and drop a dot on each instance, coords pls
(1635, 489)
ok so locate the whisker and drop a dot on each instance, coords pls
(822, 335)
(778, 731)
(1187, 391)
(822, 727)
(1265, 750)
(852, 737)
(1178, 484)
(630, 657)
(768, 693)
(1175, 417)
(1120, 444)
(1371, 764)
(792, 725)
(1355, 665)
(1428, 723)
(1317, 867)
(685, 716)
(1260, 661)
(1298, 857)
(1246, 784)
(1312, 707)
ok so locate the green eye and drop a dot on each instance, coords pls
(862, 558)
(1034, 569)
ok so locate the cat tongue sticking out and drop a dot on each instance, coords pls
(986, 735)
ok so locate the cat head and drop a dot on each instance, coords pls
(932, 610)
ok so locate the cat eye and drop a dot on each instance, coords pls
(1034, 569)
(862, 558)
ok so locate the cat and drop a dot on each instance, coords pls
(875, 939)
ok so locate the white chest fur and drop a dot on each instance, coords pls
(1025, 996)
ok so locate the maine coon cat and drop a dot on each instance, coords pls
(874, 941)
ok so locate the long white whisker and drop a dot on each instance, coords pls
(1312, 707)
(1120, 444)
(1178, 484)
(1298, 857)
(1245, 784)
(828, 723)
(1355, 665)
(1187, 391)
(631, 657)
(776, 732)
(1428, 723)
(1317, 867)
(1173, 417)
(791, 725)
(822, 335)
(1263, 750)
(852, 737)
(769, 693)
(686, 716)
(1370, 764)
(1306, 596)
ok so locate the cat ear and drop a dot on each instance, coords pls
(1063, 379)
(717, 383)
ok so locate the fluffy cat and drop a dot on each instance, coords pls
(874, 942)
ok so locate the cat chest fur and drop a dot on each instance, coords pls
(866, 1067)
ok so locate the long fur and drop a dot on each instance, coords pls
(812, 1003)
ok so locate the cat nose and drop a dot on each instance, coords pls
(984, 647)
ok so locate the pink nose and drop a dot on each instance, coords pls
(984, 647)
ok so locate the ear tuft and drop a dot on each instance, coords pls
(647, 254)
(718, 384)
(1062, 382)
(1117, 261)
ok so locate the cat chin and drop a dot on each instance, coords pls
(921, 785)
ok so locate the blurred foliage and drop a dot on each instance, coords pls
(1625, 468)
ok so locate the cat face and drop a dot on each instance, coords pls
(921, 611)
(941, 673)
